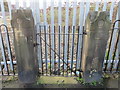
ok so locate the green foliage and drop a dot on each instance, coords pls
(80, 80)
(106, 76)
(106, 54)
(38, 82)
(10, 78)
(48, 65)
(94, 83)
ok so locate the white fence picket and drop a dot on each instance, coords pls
(113, 39)
(66, 31)
(45, 23)
(9, 7)
(59, 13)
(24, 4)
(97, 6)
(38, 31)
(81, 21)
(111, 10)
(74, 12)
(119, 26)
(115, 34)
(1, 43)
(32, 4)
(104, 5)
(17, 4)
(7, 41)
(118, 47)
(3, 53)
(73, 24)
(0, 67)
(60, 26)
(87, 8)
(44, 12)
(52, 31)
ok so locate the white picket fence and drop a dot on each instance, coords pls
(84, 8)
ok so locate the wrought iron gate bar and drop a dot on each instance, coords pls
(55, 50)
(10, 52)
(59, 51)
(105, 69)
(50, 50)
(114, 53)
(63, 49)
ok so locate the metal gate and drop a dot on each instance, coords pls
(54, 59)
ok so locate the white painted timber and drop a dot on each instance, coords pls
(52, 31)
(113, 39)
(5, 22)
(97, 6)
(74, 23)
(59, 24)
(104, 5)
(111, 10)
(81, 19)
(66, 31)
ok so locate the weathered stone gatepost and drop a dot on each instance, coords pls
(25, 49)
(97, 29)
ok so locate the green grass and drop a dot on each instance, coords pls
(9, 78)
(94, 83)
(56, 80)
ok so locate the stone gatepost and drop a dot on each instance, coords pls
(97, 29)
(25, 49)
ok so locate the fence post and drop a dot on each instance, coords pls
(97, 28)
(25, 47)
